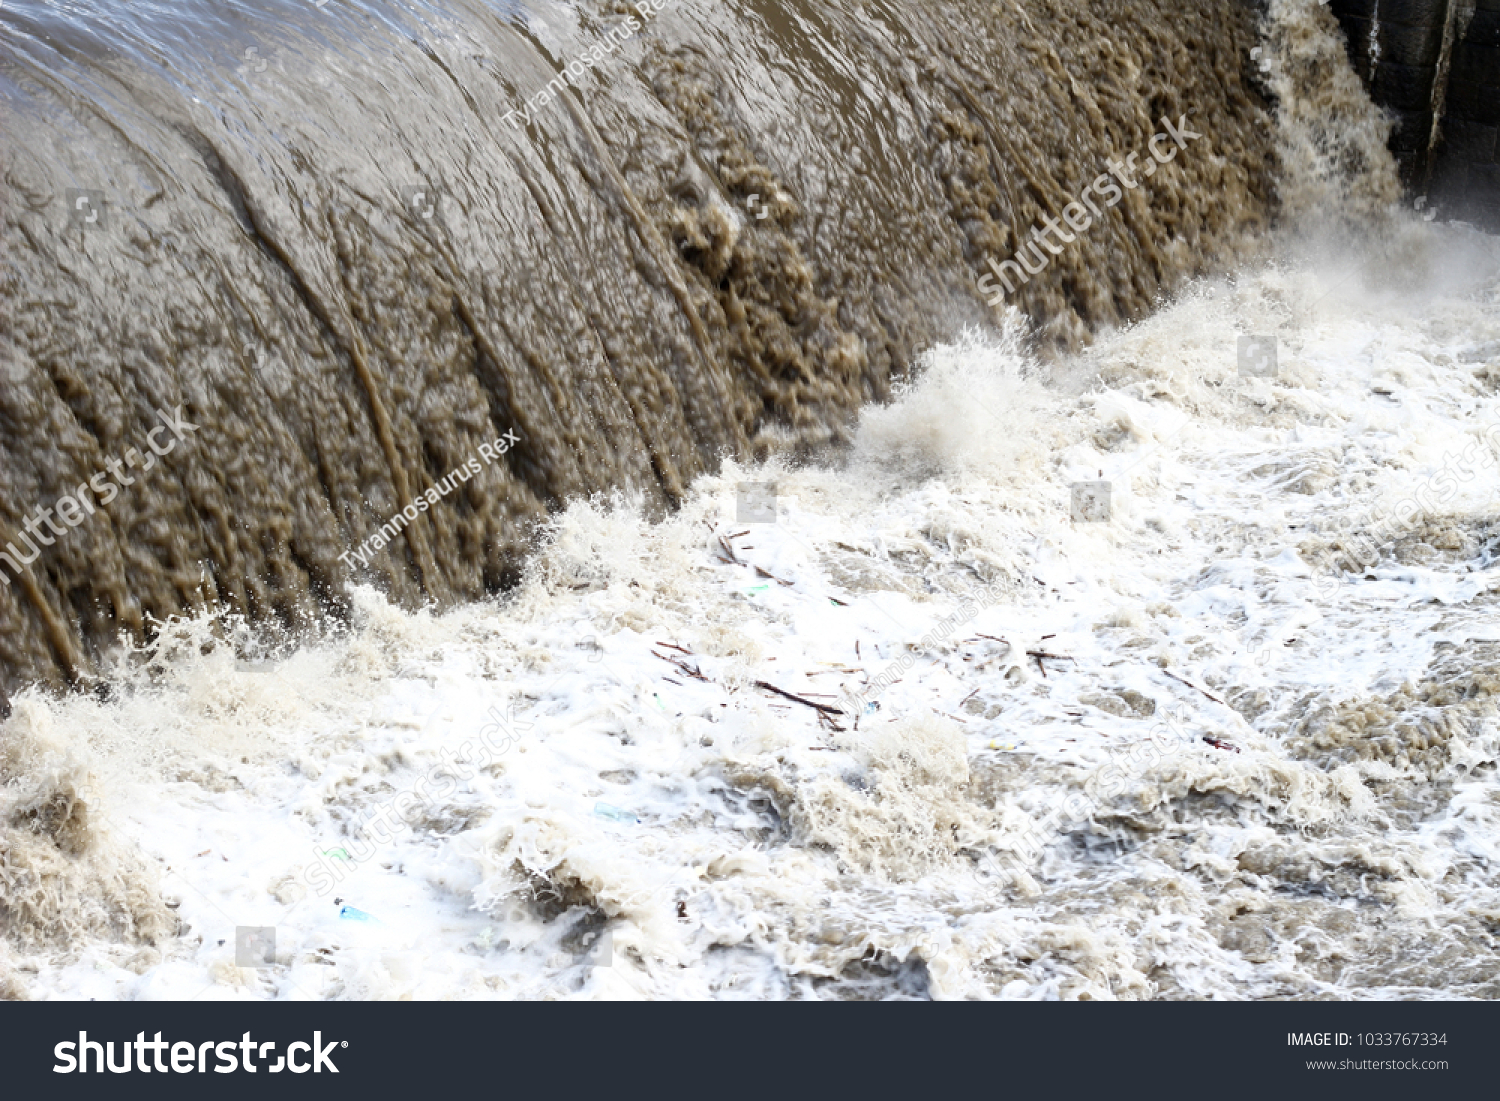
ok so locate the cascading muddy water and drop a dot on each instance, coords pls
(1168, 755)
(320, 236)
(1335, 170)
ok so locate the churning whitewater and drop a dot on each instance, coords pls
(640, 774)
(1141, 671)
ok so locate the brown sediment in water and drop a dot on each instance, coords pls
(742, 225)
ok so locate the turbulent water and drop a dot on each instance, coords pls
(740, 227)
(901, 722)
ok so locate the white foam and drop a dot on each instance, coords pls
(730, 841)
(725, 840)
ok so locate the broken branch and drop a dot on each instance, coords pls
(823, 707)
(1196, 688)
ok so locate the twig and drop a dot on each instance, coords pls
(696, 674)
(674, 646)
(1193, 686)
(1040, 654)
(731, 557)
(823, 707)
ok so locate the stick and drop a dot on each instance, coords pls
(694, 673)
(730, 556)
(1193, 686)
(673, 646)
(1040, 654)
(823, 707)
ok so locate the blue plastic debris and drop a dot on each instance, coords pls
(614, 814)
(349, 913)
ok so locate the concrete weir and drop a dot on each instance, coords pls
(1435, 64)
(314, 231)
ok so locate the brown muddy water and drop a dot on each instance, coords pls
(314, 234)
(279, 279)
